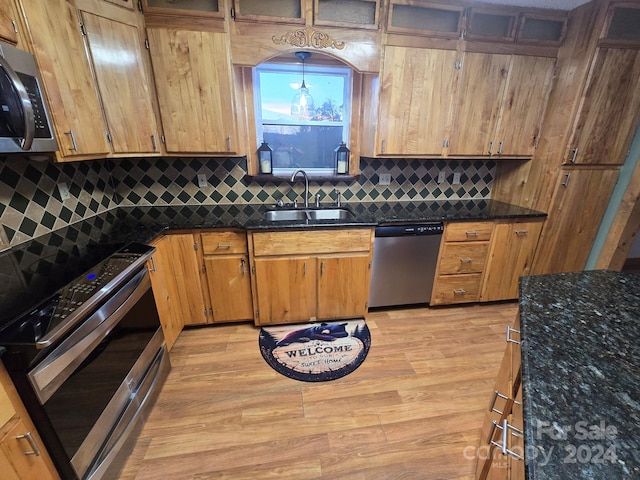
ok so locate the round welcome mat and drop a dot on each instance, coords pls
(315, 352)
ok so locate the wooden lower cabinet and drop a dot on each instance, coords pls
(227, 277)
(343, 284)
(505, 411)
(286, 289)
(578, 205)
(22, 454)
(305, 276)
(175, 280)
(461, 263)
(483, 261)
(513, 246)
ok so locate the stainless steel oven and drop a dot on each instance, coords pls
(88, 363)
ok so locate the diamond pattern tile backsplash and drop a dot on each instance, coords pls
(30, 204)
(174, 182)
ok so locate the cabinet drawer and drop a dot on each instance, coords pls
(222, 243)
(6, 407)
(456, 289)
(468, 231)
(310, 242)
(463, 257)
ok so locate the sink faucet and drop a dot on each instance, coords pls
(306, 185)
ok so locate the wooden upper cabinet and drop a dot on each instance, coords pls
(191, 8)
(416, 98)
(609, 110)
(194, 84)
(128, 4)
(126, 89)
(484, 76)
(501, 103)
(523, 105)
(8, 24)
(66, 75)
(347, 13)
(622, 24)
(424, 18)
(491, 24)
(271, 11)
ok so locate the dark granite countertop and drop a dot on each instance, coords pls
(32, 271)
(580, 375)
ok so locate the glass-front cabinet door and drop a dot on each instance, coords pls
(270, 11)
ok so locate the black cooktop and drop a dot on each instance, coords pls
(68, 305)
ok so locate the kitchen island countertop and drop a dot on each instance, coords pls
(580, 375)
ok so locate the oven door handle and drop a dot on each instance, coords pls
(57, 367)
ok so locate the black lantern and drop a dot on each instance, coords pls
(265, 158)
(342, 154)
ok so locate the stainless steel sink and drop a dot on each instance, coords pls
(288, 215)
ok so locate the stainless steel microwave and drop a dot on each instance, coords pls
(25, 126)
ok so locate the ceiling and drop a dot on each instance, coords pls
(552, 4)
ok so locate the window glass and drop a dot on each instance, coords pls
(303, 132)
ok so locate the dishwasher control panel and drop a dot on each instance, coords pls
(403, 230)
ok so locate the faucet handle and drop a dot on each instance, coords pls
(338, 198)
(317, 200)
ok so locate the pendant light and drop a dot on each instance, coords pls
(302, 103)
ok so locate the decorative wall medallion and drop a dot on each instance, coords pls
(308, 37)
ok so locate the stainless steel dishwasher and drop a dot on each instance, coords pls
(404, 264)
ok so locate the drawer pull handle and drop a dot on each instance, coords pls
(509, 339)
(521, 233)
(34, 446)
(472, 233)
(496, 395)
(466, 260)
(224, 245)
(505, 431)
(153, 265)
(459, 291)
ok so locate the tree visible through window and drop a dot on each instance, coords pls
(302, 137)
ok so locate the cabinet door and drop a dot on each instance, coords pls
(125, 86)
(610, 109)
(415, 100)
(165, 291)
(66, 75)
(343, 286)
(16, 450)
(7, 25)
(482, 86)
(512, 249)
(229, 286)
(578, 204)
(499, 407)
(286, 289)
(195, 90)
(523, 105)
(186, 270)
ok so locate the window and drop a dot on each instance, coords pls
(302, 138)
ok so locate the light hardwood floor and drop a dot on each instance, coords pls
(408, 412)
